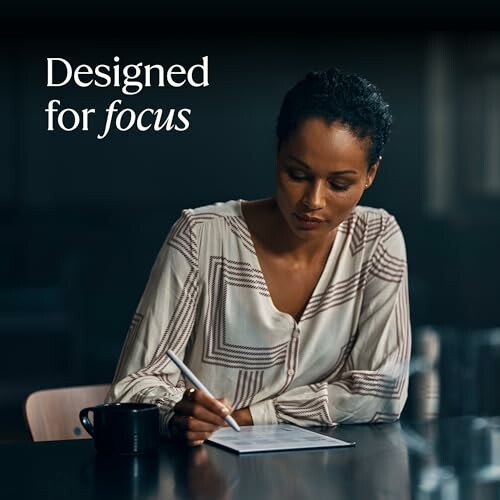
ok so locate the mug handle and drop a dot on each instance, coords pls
(84, 419)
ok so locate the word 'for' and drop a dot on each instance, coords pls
(69, 119)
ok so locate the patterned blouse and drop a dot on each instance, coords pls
(346, 360)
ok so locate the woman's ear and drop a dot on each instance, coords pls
(372, 173)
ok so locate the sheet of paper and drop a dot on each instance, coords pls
(259, 438)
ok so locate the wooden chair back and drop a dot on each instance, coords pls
(53, 414)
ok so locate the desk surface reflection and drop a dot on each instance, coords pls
(452, 458)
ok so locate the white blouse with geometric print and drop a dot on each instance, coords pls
(346, 360)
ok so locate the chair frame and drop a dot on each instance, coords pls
(53, 414)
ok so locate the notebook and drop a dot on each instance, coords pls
(272, 437)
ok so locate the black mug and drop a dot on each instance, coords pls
(123, 428)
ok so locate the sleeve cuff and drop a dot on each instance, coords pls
(263, 413)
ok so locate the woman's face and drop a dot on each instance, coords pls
(322, 172)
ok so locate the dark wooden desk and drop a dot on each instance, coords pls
(448, 459)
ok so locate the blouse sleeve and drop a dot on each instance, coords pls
(373, 385)
(163, 320)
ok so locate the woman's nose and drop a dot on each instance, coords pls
(314, 196)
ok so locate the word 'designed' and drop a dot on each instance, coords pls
(131, 79)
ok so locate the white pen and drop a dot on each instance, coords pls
(196, 382)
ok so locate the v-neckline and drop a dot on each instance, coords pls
(331, 253)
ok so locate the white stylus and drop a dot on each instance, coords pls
(196, 382)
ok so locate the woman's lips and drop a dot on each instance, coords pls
(308, 222)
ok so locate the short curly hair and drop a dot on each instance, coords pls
(337, 96)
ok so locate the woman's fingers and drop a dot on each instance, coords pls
(188, 423)
(220, 407)
(200, 405)
(199, 412)
(191, 430)
(195, 443)
(225, 402)
(197, 415)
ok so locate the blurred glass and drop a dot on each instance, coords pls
(454, 372)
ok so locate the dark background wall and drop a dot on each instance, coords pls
(82, 219)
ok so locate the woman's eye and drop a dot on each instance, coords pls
(296, 175)
(339, 187)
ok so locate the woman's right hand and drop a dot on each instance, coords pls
(196, 416)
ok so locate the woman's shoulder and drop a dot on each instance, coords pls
(366, 213)
(208, 214)
(215, 219)
(373, 227)
(217, 209)
(369, 219)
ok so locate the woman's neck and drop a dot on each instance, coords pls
(269, 228)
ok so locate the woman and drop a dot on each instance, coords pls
(291, 309)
